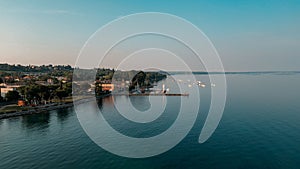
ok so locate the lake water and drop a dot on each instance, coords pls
(260, 128)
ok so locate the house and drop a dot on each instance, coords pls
(8, 88)
(27, 77)
(4, 91)
(107, 87)
(21, 103)
(50, 81)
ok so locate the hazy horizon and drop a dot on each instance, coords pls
(249, 36)
(196, 71)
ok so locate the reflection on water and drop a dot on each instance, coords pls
(109, 101)
(260, 129)
(100, 103)
(130, 128)
(40, 121)
(140, 103)
(62, 114)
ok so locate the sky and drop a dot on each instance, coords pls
(249, 35)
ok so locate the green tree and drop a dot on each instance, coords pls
(60, 93)
(138, 79)
(98, 89)
(12, 95)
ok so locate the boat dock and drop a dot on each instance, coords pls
(150, 94)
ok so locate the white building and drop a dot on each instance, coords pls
(8, 88)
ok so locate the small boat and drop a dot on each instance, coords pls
(202, 85)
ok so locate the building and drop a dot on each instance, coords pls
(21, 103)
(27, 77)
(50, 81)
(8, 88)
(107, 87)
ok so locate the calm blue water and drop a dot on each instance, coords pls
(260, 128)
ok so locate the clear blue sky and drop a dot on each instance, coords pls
(249, 35)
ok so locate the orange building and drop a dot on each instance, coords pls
(107, 87)
(21, 103)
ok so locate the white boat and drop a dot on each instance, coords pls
(202, 85)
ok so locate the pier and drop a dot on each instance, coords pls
(150, 94)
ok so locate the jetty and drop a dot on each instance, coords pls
(150, 94)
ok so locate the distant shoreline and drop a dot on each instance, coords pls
(3, 67)
(231, 72)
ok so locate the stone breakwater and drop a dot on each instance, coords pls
(37, 110)
(46, 108)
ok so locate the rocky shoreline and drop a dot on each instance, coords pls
(36, 110)
(42, 109)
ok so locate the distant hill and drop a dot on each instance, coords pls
(33, 68)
